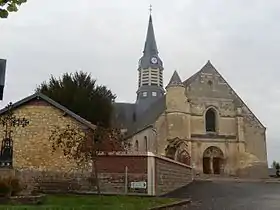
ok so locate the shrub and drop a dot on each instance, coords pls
(9, 187)
(5, 188)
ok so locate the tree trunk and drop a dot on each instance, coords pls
(95, 171)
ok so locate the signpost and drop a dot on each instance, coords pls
(2, 77)
(138, 185)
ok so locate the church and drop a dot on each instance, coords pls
(200, 121)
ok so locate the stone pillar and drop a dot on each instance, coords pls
(211, 165)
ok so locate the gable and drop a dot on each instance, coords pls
(209, 83)
(40, 99)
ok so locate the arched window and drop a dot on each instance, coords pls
(210, 120)
(146, 143)
(136, 146)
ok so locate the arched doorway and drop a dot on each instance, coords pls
(213, 159)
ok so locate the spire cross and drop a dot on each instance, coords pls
(150, 9)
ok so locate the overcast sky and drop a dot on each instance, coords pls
(106, 38)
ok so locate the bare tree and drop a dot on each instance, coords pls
(84, 145)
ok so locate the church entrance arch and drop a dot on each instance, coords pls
(213, 159)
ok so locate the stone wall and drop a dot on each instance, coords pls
(111, 174)
(170, 175)
(32, 147)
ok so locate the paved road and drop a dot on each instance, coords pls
(226, 195)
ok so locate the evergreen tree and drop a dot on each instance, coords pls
(79, 93)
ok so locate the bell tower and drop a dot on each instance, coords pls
(150, 70)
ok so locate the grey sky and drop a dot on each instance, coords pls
(241, 38)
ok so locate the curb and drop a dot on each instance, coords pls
(240, 180)
(174, 205)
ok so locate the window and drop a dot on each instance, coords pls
(146, 143)
(154, 93)
(136, 146)
(210, 83)
(145, 94)
(210, 120)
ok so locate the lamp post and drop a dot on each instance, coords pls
(9, 121)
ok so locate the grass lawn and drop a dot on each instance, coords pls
(96, 202)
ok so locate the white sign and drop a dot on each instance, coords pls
(138, 185)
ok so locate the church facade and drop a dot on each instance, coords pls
(200, 121)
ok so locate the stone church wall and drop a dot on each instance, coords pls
(146, 141)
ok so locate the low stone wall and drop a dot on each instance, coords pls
(116, 172)
(55, 182)
(170, 175)
(257, 170)
(114, 169)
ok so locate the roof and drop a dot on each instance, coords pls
(175, 80)
(206, 68)
(53, 103)
(123, 114)
(150, 50)
(149, 116)
(150, 47)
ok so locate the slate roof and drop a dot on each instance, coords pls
(150, 43)
(148, 117)
(150, 50)
(122, 116)
(53, 103)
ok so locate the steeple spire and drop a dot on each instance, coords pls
(150, 68)
(150, 47)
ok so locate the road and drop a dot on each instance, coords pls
(230, 195)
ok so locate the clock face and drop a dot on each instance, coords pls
(154, 60)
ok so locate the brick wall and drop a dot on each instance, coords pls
(112, 170)
(170, 175)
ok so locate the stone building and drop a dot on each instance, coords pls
(30, 147)
(29, 156)
(200, 121)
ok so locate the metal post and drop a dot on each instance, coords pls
(126, 180)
